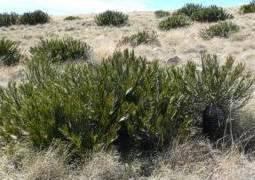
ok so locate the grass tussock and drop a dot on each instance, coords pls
(222, 29)
(142, 37)
(175, 21)
(111, 18)
(248, 8)
(61, 50)
(9, 53)
(161, 13)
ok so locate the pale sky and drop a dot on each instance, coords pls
(64, 7)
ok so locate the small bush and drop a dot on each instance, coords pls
(161, 13)
(222, 29)
(174, 21)
(143, 37)
(248, 8)
(71, 18)
(60, 50)
(210, 14)
(113, 18)
(9, 53)
(8, 19)
(33, 18)
(189, 9)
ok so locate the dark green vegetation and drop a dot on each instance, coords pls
(174, 21)
(222, 29)
(124, 101)
(33, 18)
(161, 13)
(60, 50)
(8, 19)
(204, 14)
(111, 18)
(248, 8)
(71, 18)
(9, 53)
(142, 37)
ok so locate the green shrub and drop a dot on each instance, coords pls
(9, 53)
(113, 18)
(60, 50)
(143, 37)
(161, 13)
(211, 14)
(222, 29)
(248, 8)
(33, 18)
(189, 9)
(71, 18)
(8, 19)
(174, 21)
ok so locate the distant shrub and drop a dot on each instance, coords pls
(71, 18)
(60, 50)
(113, 18)
(161, 13)
(248, 8)
(8, 19)
(143, 37)
(9, 53)
(222, 29)
(33, 18)
(174, 21)
(210, 14)
(189, 9)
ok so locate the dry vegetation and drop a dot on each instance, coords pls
(195, 158)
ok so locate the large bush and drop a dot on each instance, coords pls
(9, 53)
(124, 101)
(161, 13)
(222, 29)
(189, 9)
(113, 18)
(8, 19)
(248, 8)
(60, 50)
(174, 21)
(33, 18)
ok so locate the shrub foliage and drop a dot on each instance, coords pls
(222, 29)
(161, 13)
(124, 101)
(33, 18)
(71, 18)
(142, 37)
(8, 19)
(174, 21)
(9, 53)
(248, 8)
(113, 18)
(60, 50)
(204, 14)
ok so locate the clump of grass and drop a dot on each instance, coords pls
(109, 18)
(9, 53)
(71, 18)
(60, 50)
(143, 37)
(248, 8)
(161, 13)
(33, 18)
(8, 19)
(204, 14)
(222, 29)
(174, 21)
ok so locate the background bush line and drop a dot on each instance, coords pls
(124, 101)
(248, 8)
(31, 18)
